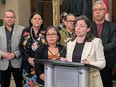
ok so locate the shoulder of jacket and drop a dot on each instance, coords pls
(96, 40)
(27, 29)
(19, 27)
(1, 27)
(63, 30)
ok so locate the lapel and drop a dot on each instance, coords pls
(86, 50)
(104, 29)
(94, 29)
(4, 34)
(14, 32)
(70, 47)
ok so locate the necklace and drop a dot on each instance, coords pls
(53, 55)
(35, 45)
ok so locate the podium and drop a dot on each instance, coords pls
(65, 74)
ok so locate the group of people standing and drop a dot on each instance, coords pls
(79, 41)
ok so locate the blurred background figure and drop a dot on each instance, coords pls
(68, 31)
(105, 30)
(62, 19)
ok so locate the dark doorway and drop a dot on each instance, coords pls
(45, 7)
(114, 11)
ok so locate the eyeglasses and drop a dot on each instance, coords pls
(70, 21)
(98, 9)
(81, 26)
(53, 34)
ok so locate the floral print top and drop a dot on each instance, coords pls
(29, 43)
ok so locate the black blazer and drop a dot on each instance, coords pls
(42, 53)
(108, 36)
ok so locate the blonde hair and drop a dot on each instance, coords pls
(9, 10)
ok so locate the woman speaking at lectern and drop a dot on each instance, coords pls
(87, 49)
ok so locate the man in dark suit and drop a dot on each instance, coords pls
(10, 58)
(107, 32)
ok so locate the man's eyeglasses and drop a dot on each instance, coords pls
(98, 9)
(53, 34)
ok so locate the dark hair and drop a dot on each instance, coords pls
(63, 15)
(32, 15)
(56, 29)
(10, 11)
(89, 37)
(69, 14)
(66, 16)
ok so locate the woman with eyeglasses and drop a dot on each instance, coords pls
(87, 49)
(51, 51)
(68, 31)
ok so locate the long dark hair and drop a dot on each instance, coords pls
(89, 37)
(30, 24)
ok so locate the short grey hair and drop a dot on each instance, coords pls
(99, 2)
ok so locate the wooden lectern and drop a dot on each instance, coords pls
(65, 74)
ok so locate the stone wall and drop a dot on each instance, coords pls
(21, 9)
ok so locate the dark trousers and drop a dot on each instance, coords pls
(106, 75)
(6, 76)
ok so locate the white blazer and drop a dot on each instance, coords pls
(93, 51)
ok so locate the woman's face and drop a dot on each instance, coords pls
(52, 36)
(81, 28)
(69, 22)
(36, 20)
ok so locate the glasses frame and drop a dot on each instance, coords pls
(53, 34)
(98, 9)
(70, 21)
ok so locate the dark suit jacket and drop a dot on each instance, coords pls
(108, 36)
(42, 53)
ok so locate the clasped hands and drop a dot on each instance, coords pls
(8, 55)
(31, 61)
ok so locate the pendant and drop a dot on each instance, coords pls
(34, 46)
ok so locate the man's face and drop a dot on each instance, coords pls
(9, 18)
(99, 12)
